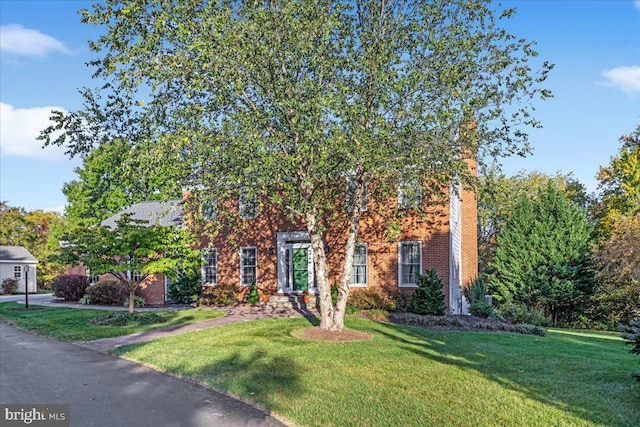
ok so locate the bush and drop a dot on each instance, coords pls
(475, 293)
(370, 299)
(481, 309)
(218, 295)
(9, 286)
(253, 297)
(428, 298)
(70, 287)
(138, 301)
(186, 288)
(108, 292)
(631, 333)
(519, 313)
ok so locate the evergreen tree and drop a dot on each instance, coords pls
(428, 298)
(542, 256)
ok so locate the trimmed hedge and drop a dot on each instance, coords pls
(218, 295)
(108, 292)
(70, 287)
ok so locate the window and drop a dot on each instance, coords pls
(247, 204)
(359, 269)
(409, 263)
(137, 276)
(409, 195)
(210, 267)
(208, 211)
(93, 279)
(248, 264)
(17, 272)
(350, 193)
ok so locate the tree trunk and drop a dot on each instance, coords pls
(332, 318)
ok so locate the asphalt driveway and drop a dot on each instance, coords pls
(103, 390)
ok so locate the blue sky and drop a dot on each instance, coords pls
(595, 46)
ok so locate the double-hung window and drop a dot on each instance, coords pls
(17, 272)
(208, 210)
(409, 263)
(209, 267)
(247, 204)
(409, 195)
(359, 269)
(248, 266)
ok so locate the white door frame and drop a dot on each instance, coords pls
(286, 242)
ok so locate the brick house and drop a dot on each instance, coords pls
(276, 254)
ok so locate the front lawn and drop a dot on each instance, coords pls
(408, 376)
(71, 324)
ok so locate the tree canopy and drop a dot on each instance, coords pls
(284, 98)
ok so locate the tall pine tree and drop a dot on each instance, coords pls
(542, 257)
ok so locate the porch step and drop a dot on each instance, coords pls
(291, 301)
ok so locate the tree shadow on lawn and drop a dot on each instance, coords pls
(550, 377)
(257, 376)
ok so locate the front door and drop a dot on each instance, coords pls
(299, 268)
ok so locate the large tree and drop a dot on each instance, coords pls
(131, 251)
(31, 229)
(284, 99)
(542, 255)
(498, 197)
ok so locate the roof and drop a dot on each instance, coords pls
(16, 254)
(165, 214)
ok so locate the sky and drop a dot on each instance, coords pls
(595, 46)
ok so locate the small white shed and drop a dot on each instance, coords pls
(13, 260)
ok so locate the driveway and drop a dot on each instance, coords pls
(107, 391)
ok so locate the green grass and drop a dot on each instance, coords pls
(406, 376)
(72, 324)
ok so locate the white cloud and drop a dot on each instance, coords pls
(19, 128)
(626, 78)
(16, 39)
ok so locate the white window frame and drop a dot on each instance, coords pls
(93, 279)
(136, 276)
(409, 199)
(247, 208)
(349, 193)
(401, 263)
(243, 282)
(214, 266)
(366, 267)
(17, 272)
(208, 211)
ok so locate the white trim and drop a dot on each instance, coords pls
(457, 301)
(285, 241)
(400, 244)
(255, 248)
(203, 275)
(366, 257)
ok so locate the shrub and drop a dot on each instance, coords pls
(108, 292)
(9, 286)
(138, 301)
(428, 298)
(253, 297)
(370, 299)
(631, 333)
(186, 288)
(85, 300)
(519, 313)
(334, 294)
(70, 287)
(475, 293)
(481, 309)
(218, 295)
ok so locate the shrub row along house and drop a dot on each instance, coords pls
(271, 250)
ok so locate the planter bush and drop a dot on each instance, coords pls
(218, 295)
(70, 287)
(428, 298)
(9, 286)
(108, 292)
(186, 288)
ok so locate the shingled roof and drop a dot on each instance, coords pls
(165, 214)
(15, 254)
